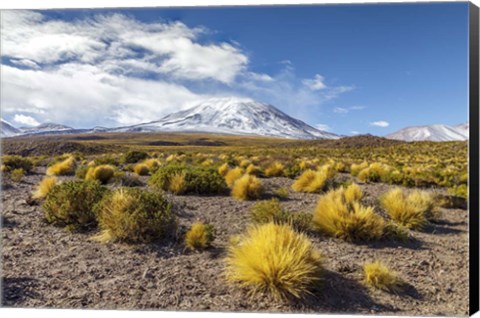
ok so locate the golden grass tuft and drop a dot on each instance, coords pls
(353, 193)
(412, 210)
(44, 187)
(102, 173)
(253, 170)
(152, 163)
(379, 276)
(141, 169)
(199, 236)
(63, 168)
(276, 169)
(350, 221)
(223, 169)
(356, 168)
(233, 175)
(177, 184)
(247, 187)
(311, 181)
(274, 259)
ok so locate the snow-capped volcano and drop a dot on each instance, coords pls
(239, 116)
(432, 133)
(8, 130)
(45, 128)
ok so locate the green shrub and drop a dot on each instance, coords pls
(101, 173)
(133, 215)
(17, 162)
(17, 175)
(271, 211)
(71, 203)
(134, 156)
(81, 172)
(198, 180)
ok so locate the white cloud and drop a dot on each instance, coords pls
(169, 48)
(25, 120)
(380, 123)
(315, 84)
(340, 110)
(323, 127)
(354, 132)
(357, 107)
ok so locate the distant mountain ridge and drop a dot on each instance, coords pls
(432, 133)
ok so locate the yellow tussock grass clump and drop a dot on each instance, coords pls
(253, 170)
(141, 169)
(44, 187)
(356, 168)
(102, 173)
(276, 169)
(177, 184)
(412, 210)
(233, 175)
(274, 259)
(223, 169)
(379, 276)
(350, 221)
(199, 236)
(248, 187)
(152, 163)
(353, 193)
(311, 181)
(63, 168)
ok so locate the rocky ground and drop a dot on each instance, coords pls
(47, 266)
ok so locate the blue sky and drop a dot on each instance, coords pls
(347, 68)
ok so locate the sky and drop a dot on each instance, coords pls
(348, 69)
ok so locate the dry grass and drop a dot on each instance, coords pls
(247, 187)
(223, 169)
(379, 276)
(152, 163)
(253, 170)
(199, 236)
(102, 173)
(233, 175)
(351, 221)
(276, 169)
(412, 210)
(141, 169)
(274, 259)
(311, 181)
(44, 187)
(63, 168)
(177, 184)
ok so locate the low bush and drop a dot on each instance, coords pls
(44, 187)
(11, 163)
(177, 184)
(16, 175)
(379, 276)
(62, 168)
(274, 259)
(134, 216)
(282, 193)
(247, 188)
(412, 210)
(200, 236)
(198, 180)
(81, 172)
(71, 203)
(134, 156)
(271, 211)
(101, 173)
(350, 221)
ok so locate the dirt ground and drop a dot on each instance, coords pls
(47, 266)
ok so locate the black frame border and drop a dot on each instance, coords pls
(473, 195)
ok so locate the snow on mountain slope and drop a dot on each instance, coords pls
(45, 128)
(8, 130)
(432, 133)
(237, 116)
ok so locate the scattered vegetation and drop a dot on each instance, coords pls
(16, 175)
(271, 211)
(10, 163)
(343, 216)
(62, 168)
(378, 275)
(200, 236)
(311, 181)
(44, 187)
(274, 259)
(276, 169)
(248, 187)
(133, 215)
(101, 173)
(412, 210)
(71, 203)
(233, 175)
(141, 169)
(134, 156)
